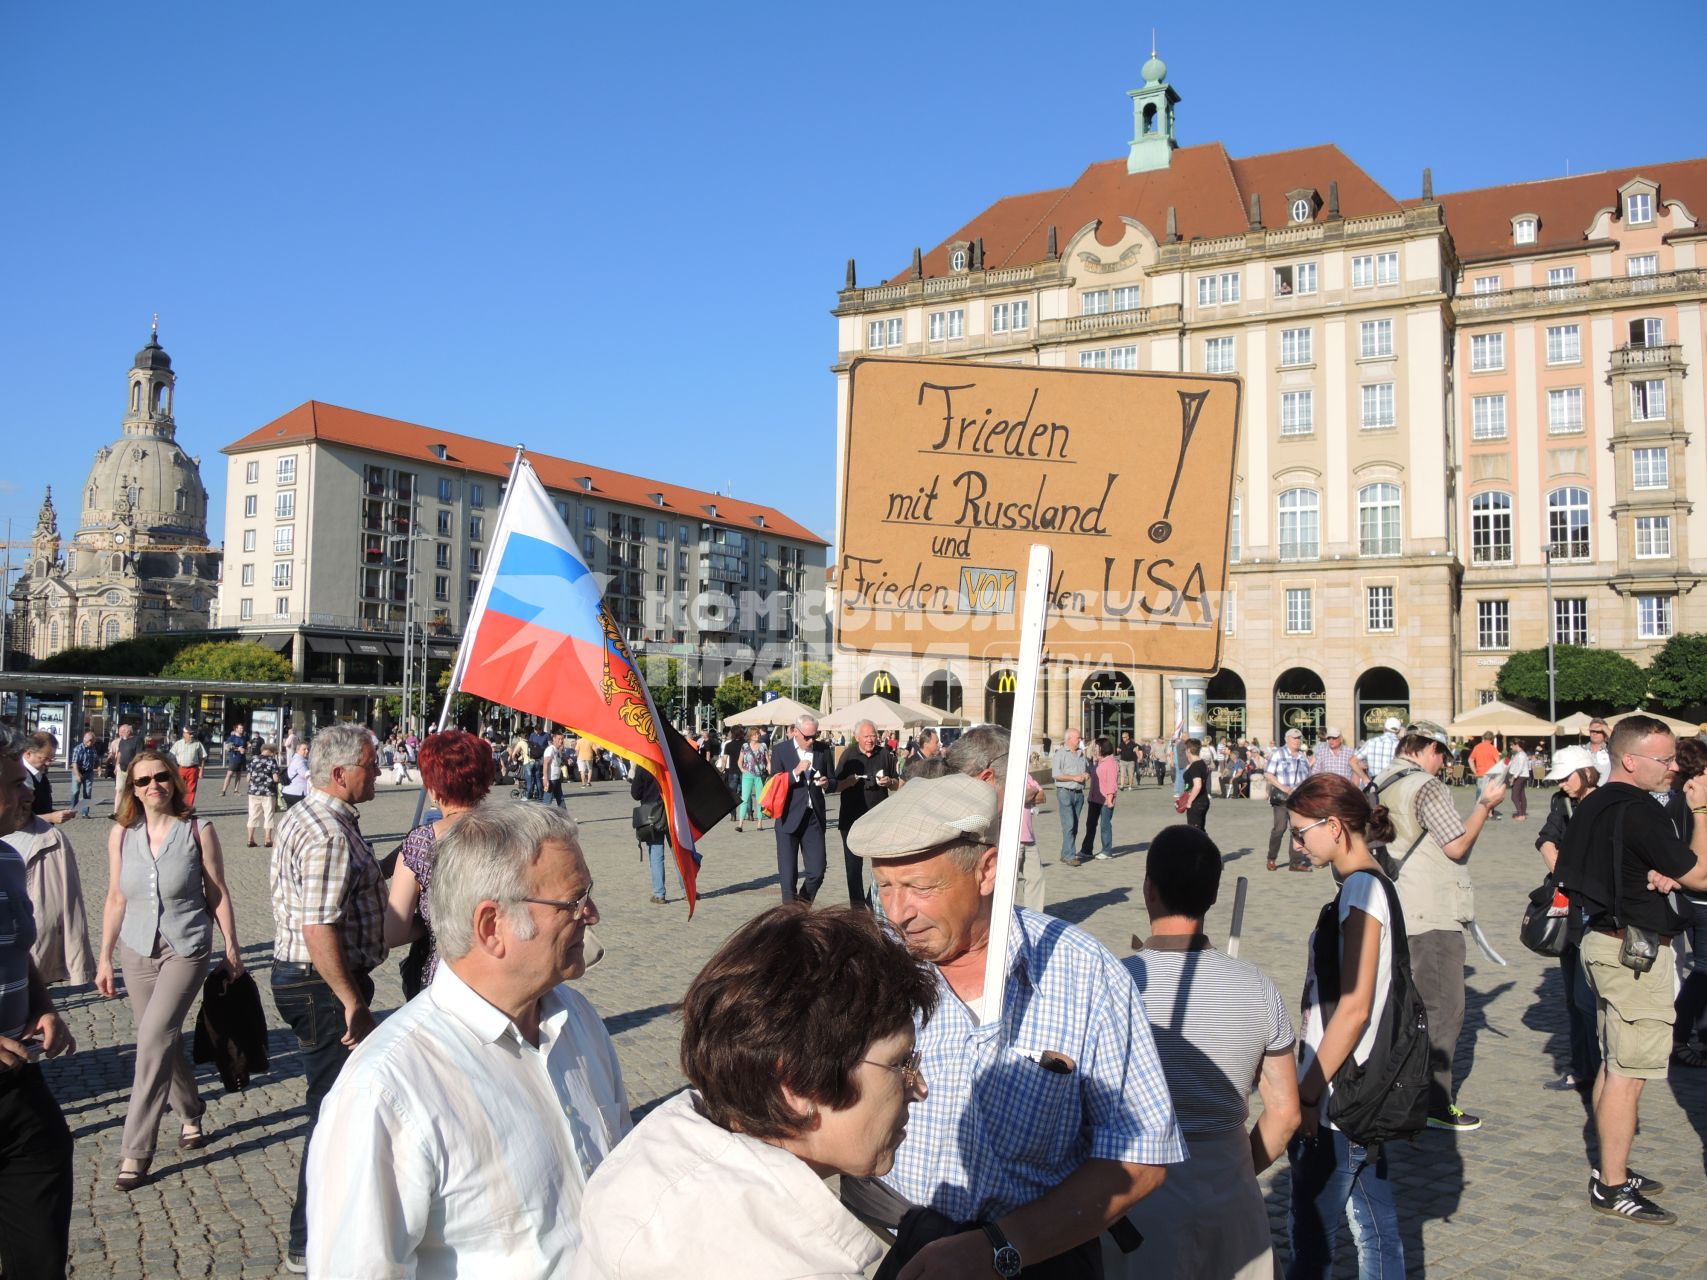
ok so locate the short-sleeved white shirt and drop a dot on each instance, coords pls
(1362, 891)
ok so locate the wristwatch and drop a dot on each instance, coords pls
(1006, 1260)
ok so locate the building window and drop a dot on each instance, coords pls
(1126, 298)
(1363, 271)
(284, 539)
(252, 473)
(1296, 347)
(441, 587)
(589, 518)
(1123, 358)
(476, 527)
(1523, 231)
(1487, 417)
(1493, 624)
(1653, 537)
(1567, 523)
(1377, 405)
(247, 576)
(1387, 268)
(1639, 207)
(1228, 601)
(477, 495)
(1301, 211)
(284, 505)
(1218, 355)
(1485, 284)
(1297, 413)
(1561, 275)
(1490, 528)
(1010, 316)
(281, 573)
(474, 559)
(250, 505)
(1487, 352)
(1649, 331)
(1642, 264)
(473, 588)
(1653, 617)
(1300, 515)
(245, 609)
(957, 260)
(1298, 611)
(441, 555)
(281, 608)
(1379, 608)
(248, 539)
(947, 324)
(1570, 621)
(1093, 302)
(444, 524)
(1375, 339)
(1564, 410)
(884, 333)
(1093, 359)
(1378, 520)
(1234, 533)
(447, 489)
(589, 546)
(1564, 343)
(1217, 290)
(1650, 469)
(1648, 400)
(1298, 278)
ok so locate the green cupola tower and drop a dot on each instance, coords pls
(1153, 139)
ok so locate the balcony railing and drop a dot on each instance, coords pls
(1662, 356)
(1135, 320)
(1475, 306)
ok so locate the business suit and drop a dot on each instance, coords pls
(800, 830)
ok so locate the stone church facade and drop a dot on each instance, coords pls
(139, 560)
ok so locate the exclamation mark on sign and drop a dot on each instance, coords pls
(1190, 406)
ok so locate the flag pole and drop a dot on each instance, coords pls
(479, 607)
(1034, 611)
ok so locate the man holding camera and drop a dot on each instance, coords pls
(1621, 859)
(864, 778)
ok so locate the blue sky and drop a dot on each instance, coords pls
(616, 236)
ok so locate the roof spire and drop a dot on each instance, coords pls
(154, 328)
(1152, 42)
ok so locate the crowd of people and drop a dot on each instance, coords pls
(1092, 1118)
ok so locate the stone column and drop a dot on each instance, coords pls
(1189, 694)
(1055, 725)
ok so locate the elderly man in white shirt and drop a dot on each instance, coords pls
(460, 1136)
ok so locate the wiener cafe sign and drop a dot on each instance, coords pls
(953, 470)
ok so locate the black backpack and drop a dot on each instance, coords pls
(1386, 1097)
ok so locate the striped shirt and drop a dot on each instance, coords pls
(324, 872)
(1377, 753)
(1214, 1018)
(451, 1145)
(17, 935)
(1288, 768)
(996, 1129)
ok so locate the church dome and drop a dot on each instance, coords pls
(153, 483)
(1154, 71)
(153, 356)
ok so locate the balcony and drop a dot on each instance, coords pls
(1623, 290)
(1657, 359)
(1112, 323)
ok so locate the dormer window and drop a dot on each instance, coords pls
(1302, 204)
(1638, 207)
(1523, 230)
(957, 260)
(1300, 211)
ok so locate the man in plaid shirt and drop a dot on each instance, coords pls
(1376, 754)
(1287, 767)
(329, 920)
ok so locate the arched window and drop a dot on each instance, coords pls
(53, 635)
(1490, 528)
(112, 632)
(1150, 117)
(1300, 524)
(1567, 523)
(135, 396)
(83, 632)
(1378, 520)
(159, 397)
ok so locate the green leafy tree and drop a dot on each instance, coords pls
(1677, 676)
(1597, 681)
(143, 655)
(735, 694)
(807, 687)
(663, 678)
(228, 660)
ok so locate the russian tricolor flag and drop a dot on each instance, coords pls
(540, 640)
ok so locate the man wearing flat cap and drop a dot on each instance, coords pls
(1039, 1132)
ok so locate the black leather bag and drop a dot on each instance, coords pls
(650, 824)
(1546, 920)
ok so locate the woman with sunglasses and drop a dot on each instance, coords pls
(797, 1040)
(1331, 825)
(165, 891)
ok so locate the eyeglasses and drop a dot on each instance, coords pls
(912, 1078)
(576, 909)
(1667, 761)
(143, 781)
(1298, 833)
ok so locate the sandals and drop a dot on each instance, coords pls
(192, 1138)
(132, 1178)
(1687, 1055)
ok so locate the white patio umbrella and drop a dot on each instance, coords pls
(1575, 723)
(1501, 718)
(1682, 728)
(778, 711)
(882, 713)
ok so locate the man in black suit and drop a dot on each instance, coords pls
(800, 830)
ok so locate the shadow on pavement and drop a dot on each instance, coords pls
(1077, 910)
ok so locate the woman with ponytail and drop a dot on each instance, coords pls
(1331, 824)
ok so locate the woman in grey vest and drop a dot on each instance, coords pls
(165, 890)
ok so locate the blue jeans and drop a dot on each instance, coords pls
(1098, 816)
(536, 790)
(1072, 806)
(1332, 1175)
(315, 1013)
(655, 856)
(82, 793)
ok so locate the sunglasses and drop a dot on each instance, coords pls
(143, 781)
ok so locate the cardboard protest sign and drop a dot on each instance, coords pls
(953, 470)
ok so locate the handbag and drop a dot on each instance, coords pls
(651, 826)
(1545, 928)
(1182, 802)
(773, 800)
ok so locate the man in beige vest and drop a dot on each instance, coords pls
(1430, 846)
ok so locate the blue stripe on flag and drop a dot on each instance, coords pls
(542, 583)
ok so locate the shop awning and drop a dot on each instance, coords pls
(328, 644)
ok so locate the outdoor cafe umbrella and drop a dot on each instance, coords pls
(778, 711)
(1576, 723)
(1680, 728)
(1498, 717)
(882, 713)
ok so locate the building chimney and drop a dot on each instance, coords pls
(1333, 202)
(1256, 213)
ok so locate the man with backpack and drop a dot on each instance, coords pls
(1430, 847)
(1620, 860)
(537, 744)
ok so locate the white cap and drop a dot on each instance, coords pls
(1394, 724)
(1568, 760)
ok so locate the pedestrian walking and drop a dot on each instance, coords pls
(1071, 771)
(1102, 782)
(119, 755)
(556, 764)
(800, 829)
(1518, 770)
(188, 754)
(1196, 793)
(61, 951)
(263, 779)
(1286, 771)
(85, 764)
(755, 768)
(296, 783)
(1333, 755)
(165, 891)
(1574, 771)
(1128, 762)
(236, 758)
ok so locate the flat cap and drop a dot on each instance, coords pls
(926, 814)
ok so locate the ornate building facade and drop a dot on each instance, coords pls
(139, 560)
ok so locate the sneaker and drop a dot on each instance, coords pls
(1626, 1202)
(1105, 857)
(296, 1263)
(1564, 1082)
(1456, 1119)
(1643, 1186)
(1072, 862)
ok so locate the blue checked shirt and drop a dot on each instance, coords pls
(1377, 753)
(996, 1130)
(1287, 769)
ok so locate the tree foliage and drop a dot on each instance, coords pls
(144, 655)
(1597, 681)
(228, 660)
(807, 687)
(735, 694)
(1677, 675)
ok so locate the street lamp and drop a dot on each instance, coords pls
(1552, 628)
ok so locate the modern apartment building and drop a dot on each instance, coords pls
(342, 526)
(1360, 323)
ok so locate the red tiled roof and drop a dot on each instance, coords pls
(1209, 191)
(1480, 220)
(313, 420)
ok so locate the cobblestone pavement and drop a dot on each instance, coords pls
(1509, 1200)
